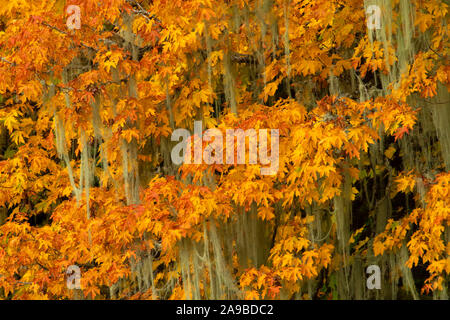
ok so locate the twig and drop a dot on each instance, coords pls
(429, 47)
(143, 12)
(7, 61)
(65, 33)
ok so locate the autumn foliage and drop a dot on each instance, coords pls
(87, 179)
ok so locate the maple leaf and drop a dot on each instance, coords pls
(400, 132)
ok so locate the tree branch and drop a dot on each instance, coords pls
(65, 33)
(7, 61)
(143, 12)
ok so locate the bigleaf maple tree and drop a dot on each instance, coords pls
(87, 178)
